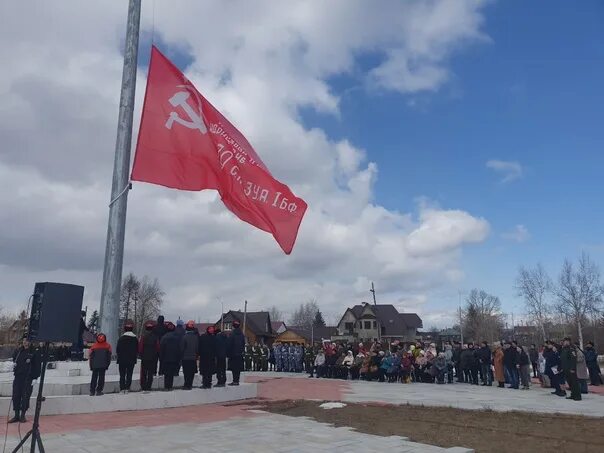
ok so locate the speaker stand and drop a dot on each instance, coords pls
(34, 432)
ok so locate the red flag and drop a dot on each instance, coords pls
(185, 143)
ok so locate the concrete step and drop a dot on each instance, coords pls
(80, 385)
(134, 401)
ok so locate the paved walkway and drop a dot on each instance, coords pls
(266, 432)
(222, 427)
(465, 396)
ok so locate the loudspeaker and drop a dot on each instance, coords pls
(55, 312)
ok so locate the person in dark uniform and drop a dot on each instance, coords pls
(169, 355)
(264, 356)
(127, 354)
(160, 328)
(568, 360)
(207, 357)
(27, 367)
(248, 357)
(148, 349)
(221, 354)
(77, 350)
(235, 349)
(190, 351)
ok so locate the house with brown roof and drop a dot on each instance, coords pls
(306, 336)
(382, 321)
(258, 327)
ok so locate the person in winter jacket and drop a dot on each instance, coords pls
(160, 328)
(169, 355)
(235, 349)
(484, 359)
(127, 354)
(26, 368)
(440, 364)
(524, 362)
(394, 371)
(553, 367)
(100, 359)
(511, 365)
(582, 372)
(534, 356)
(221, 357)
(450, 363)
(189, 348)
(591, 359)
(568, 361)
(498, 364)
(457, 361)
(466, 363)
(148, 350)
(207, 357)
(180, 328)
(319, 364)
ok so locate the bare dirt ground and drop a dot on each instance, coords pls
(484, 431)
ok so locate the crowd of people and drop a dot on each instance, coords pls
(164, 348)
(555, 365)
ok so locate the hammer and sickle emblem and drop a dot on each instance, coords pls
(194, 122)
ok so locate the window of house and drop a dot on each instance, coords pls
(367, 325)
(374, 324)
(349, 326)
(228, 326)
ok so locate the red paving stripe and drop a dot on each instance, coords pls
(99, 421)
(299, 388)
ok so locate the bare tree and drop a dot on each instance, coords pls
(141, 300)
(304, 316)
(482, 318)
(130, 287)
(275, 313)
(579, 291)
(533, 285)
(149, 301)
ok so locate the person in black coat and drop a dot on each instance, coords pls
(189, 347)
(207, 357)
(127, 354)
(148, 350)
(457, 361)
(511, 364)
(221, 356)
(27, 367)
(160, 328)
(169, 355)
(484, 357)
(235, 350)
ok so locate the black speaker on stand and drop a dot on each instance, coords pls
(55, 317)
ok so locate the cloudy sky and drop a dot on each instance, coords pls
(439, 145)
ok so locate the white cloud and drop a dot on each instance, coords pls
(518, 234)
(508, 170)
(59, 94)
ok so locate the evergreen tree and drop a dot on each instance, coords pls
(319, 321)
(93, 322)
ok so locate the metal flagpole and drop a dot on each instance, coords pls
(114, 251)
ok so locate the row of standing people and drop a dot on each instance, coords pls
(281, 357)
(163, 349)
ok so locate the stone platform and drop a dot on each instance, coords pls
(67, 388)
(73, 378)
(135, 401)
